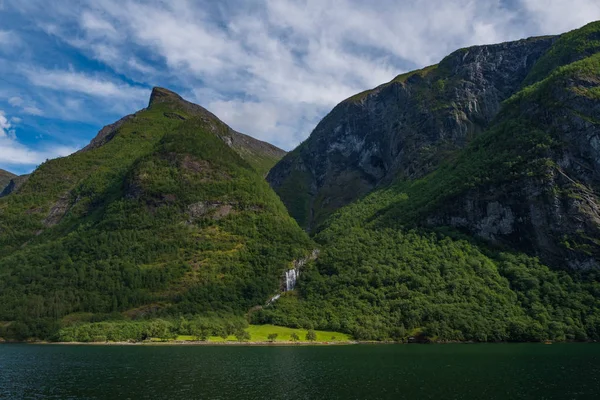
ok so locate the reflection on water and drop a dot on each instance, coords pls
(502, 371)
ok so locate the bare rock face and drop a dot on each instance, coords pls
(554, 214)
(213, 209)
(402, 129)
(14, 185)
(5, 178)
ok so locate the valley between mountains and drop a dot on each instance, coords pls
(459, 202)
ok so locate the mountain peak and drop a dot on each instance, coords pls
(162, 95)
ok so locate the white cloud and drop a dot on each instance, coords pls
(4, 123)
(15, 101)
(26, 107)
(97, 26)
(32, 110)
(555, 16)
(12, 152)
(72, 81)
(8, 39)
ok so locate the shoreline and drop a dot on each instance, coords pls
(260, 344)
(198, 343)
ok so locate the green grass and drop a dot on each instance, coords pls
(260, 333)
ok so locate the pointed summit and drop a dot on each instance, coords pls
(176, 102)
(162, 95)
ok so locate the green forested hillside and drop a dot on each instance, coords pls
(433, 257)
(162, 218)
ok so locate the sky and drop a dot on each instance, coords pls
(269, 68)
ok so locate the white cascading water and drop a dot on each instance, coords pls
(291, 276)
(290, 279)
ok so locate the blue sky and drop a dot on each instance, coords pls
(269, 68)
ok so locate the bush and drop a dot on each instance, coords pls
(272, 336)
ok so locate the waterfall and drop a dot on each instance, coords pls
(274, 298)
(291, 277)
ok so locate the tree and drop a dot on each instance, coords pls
(160, 329)
(242, 336)
(294, 337)
(272, 337)
(311, 335)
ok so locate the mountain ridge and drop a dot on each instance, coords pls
(261, 154)
(406, 127)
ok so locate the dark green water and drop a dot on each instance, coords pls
(501, 371)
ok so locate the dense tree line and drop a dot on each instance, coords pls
(392, 284)
(200, 328)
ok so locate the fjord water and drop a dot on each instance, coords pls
(495, 371)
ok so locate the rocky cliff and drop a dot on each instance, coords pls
(403, 129)
(500, 142)
(5, 178)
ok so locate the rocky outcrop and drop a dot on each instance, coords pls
(5, 178)
(57, 211)
(215, 210)
(401, 130)
(107, 133)
(14, 185)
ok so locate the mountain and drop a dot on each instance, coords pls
(401, 130)
(457, 202)
(5, 178)
(498, 141)
(164, 213)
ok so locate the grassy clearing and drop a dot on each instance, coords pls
(260, 333)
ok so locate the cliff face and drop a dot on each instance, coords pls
(403, 129)
(5, 178)
(501, 142)
(13, 185)
(552, 208)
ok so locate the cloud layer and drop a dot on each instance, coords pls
(269, 68)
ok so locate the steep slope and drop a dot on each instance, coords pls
(401, 130)
(500, 242)
(165, 212)
(5, 178)
(532, 181)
